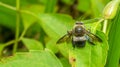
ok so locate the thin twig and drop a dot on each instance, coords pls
(97, 24)
(105, 26)
(7, 6)
(22, 11)
(17, 26)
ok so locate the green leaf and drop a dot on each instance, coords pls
(114, 42)
(64, 49)
(28, 19)
(56, 25)
(32, 59)
(34, 8)
(91, 55)
(65, 62)
(52, 45)
(32, 44)
(7, 17)
(50, 6)
(105, 46)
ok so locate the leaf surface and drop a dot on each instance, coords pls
(32, 59)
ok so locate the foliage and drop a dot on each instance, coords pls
(114, 52)
(31, 59)
(30, 29)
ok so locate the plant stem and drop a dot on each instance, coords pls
(105, 25)
(22, 11)
(10, 42)
(23, 33)
(17, 26)
(7, 6)
(97, 25)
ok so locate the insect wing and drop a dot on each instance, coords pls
(65, 38)
(93, 38)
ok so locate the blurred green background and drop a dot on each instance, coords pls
(42, 23)
(72, 9)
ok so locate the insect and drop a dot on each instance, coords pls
(78, 36)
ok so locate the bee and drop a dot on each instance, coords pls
(78, 36)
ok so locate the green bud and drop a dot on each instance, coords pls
(110, 9)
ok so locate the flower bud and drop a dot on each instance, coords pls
(110, 9)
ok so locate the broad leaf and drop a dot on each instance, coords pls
(32, 59)
(29, 19)
(114, 42)
(32, 44)
(7, 17)
(52, 45)
(56, 25)
(91, 55)
(65, 62)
